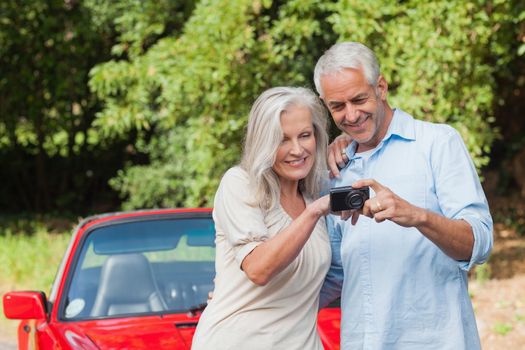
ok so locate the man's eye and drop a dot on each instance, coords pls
(337, 107)
(359, 101)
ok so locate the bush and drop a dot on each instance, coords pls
(188, 92)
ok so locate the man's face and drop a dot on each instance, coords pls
(357, 108)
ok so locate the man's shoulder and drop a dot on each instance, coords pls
(425, 135)
(429, 130)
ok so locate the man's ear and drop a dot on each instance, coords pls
(323, 102)
(382, 87)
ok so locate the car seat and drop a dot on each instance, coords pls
(127, 286)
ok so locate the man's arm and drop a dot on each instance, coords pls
(454, 237)
(464, 230)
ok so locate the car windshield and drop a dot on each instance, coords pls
(142, 267)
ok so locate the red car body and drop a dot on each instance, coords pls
(66, 321)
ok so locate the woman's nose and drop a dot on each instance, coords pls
(297, 148)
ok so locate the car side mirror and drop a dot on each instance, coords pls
(25, 305)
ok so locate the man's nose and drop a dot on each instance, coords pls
(351, 113)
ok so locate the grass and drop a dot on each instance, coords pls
(30, 260)
(502, 328)
(482, 273)
(30, 253)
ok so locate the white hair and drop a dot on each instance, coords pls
(264, 135)
(347, 55)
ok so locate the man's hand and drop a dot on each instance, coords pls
(453, 236)
(386, 205)
(344, 214)
(337, 157)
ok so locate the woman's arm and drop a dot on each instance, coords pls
(272, 256)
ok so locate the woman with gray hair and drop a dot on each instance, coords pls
(272, 250)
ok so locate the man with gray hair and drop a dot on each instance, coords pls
(400, 263)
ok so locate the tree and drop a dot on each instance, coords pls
(46, 51)
(171, 84)
(190, 91)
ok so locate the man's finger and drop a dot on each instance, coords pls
(373, 184)
(332, 166)
(346, 214)
(355, 216)
(366, 210)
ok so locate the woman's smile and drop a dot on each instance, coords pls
(296, 162)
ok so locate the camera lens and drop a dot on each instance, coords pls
(354, 200)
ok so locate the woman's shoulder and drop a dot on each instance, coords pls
(235, 189)
(235, 179)
(235, 175)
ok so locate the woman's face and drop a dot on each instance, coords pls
(296, 153)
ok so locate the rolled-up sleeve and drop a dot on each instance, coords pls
(236, 216)
(460, 194)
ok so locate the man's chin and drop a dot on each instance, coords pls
(360, 139)
(365, 144)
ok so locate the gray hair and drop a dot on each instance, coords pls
(347, 55)
(264, 135)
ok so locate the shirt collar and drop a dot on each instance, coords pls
(402, 126)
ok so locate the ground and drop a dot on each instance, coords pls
(497, 290)
(499, 302)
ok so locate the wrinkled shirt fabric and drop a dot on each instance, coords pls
(398, 289)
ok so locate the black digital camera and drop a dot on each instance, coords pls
(347, 198)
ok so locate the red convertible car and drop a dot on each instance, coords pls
(135, 280)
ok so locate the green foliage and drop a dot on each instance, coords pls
(189, 92)
(482, 273)
(179, 77)
(192, 94)
(30, 252)
(435, 58)
(502, 328)
(46, 51)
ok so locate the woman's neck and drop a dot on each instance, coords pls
(289, 189)
(291, 199)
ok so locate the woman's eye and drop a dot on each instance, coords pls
(306, 135)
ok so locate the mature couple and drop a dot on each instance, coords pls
(399, 264)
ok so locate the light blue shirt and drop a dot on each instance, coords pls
(398, 289)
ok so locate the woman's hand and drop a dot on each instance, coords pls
(321, 206)
(337, 157)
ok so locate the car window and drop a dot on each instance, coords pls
(142, 267)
